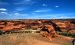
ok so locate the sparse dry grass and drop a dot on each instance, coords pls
(30, 39)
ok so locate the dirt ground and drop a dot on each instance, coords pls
(32, 39)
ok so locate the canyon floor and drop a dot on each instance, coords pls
(32, 39)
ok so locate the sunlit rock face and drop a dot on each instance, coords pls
(48, 31)
(64, 25)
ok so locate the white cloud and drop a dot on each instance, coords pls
(57, 6)
(65, 17)
(3, 12)
(44, 10)
(20, 14)
(16, 13)
(3, 9)
(54, 16)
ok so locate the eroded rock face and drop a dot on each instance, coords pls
(35, 24)
(48, 31)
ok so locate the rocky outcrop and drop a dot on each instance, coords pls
(59, 25)
(48, 32)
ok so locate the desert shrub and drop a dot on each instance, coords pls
(67, 34)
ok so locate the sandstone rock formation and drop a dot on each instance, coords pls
(48, 32)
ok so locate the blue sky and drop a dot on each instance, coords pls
(37, 9)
